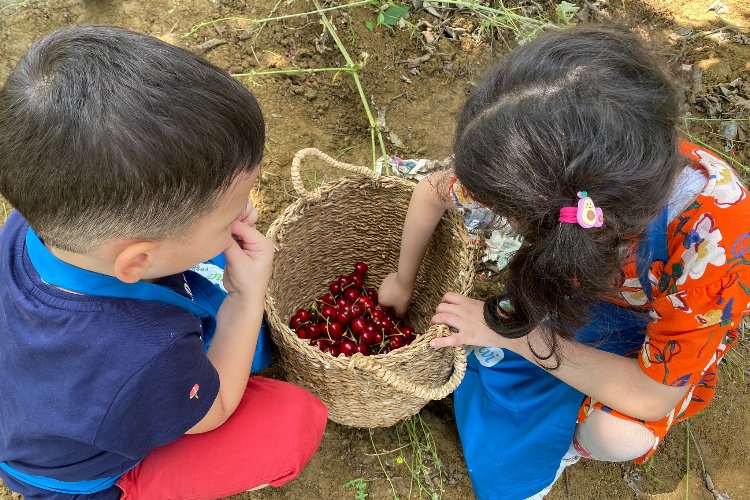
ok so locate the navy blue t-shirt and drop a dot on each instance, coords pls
(90, 385)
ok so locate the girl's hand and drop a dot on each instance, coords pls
(249, 260)
(467, 316)
(396, 294)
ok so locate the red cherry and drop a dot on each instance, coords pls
(371, 327)
(342, 303)
(302, 332)
(368, 338)
(366, 303)
(343, 281)
(407, 331)
(360, 268)
(335, 330)
(358, 325)
(347, 348)
(362, 349)
(372, 294)
(332, 351)
(378, 337)
(335, 288)
(351, 294)
(312, 331)
(295, 322)
(343, 318)
(396, 341)
(356, 311)
(384, 350)
(303, 314)
(328, 312)
(358, 280)
(322, 343)
(326, 299)
(377, 315)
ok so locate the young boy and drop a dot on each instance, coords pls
(130, 161)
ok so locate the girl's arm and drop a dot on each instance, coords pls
(429, 201)
(615, 381)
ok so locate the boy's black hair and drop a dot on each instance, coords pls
(583, 109)
(106, 133)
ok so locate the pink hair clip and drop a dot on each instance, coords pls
(586, 214)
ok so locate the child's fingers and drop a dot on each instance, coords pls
(454, 298)
(445, 307)
(450, 341)
(445, 319)
(234, 252)
(245, 235)
(250, 215)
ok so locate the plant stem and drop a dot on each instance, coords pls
(355, 73)
(687, 460)
(496, 14)
(202, 25)
(727, 157)
(377, 455)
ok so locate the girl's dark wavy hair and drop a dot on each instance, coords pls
(582, 109)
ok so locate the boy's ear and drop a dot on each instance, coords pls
(133, 261)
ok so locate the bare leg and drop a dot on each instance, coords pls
(605, 437)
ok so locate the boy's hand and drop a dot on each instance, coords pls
(395, 293)
(250, 215)
(467, 316)
(249, 260)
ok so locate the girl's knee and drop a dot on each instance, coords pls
(606, 437)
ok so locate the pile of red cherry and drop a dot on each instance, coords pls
(349, 319)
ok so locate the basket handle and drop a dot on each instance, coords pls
(299, 186)
(366, 363)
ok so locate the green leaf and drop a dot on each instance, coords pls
(369, 25)
(393, 14)
(565, 12)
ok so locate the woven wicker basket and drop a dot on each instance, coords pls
(320, 236)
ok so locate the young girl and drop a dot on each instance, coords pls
(633, 274)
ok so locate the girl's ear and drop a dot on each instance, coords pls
(132, 263)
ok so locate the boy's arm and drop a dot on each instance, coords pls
(238, 321)
(429, 201)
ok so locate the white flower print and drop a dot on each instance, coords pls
(678, 301)
(723, 185)
(633, 293)
(704, 252)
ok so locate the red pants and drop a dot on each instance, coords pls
(275, 430)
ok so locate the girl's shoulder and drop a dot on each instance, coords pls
(709, 237)
(724, 188)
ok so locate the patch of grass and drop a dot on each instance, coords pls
(425, 468)
(18, 5)
(360, 488)
(651, 472)
(382, 467)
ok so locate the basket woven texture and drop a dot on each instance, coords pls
(320, 236)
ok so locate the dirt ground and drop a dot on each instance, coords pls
(708, 46)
